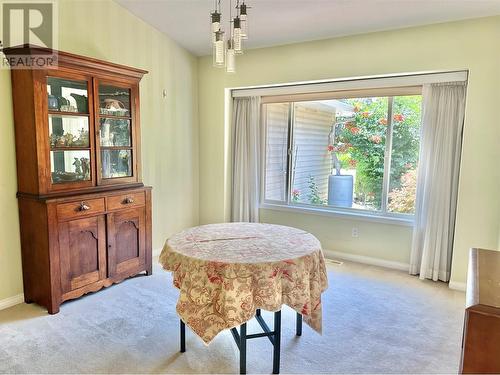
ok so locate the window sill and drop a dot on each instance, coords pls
(371, 217)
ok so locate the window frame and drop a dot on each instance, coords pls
(383, 215)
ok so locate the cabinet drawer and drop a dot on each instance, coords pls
(116, 202)
(80, 208)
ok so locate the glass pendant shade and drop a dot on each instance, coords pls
(214, 24)
(224, 54)
(215, 21)
(219, 50)
(230, 58)
(244, 21)
(237, 36)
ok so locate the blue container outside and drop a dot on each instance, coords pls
(340, 190)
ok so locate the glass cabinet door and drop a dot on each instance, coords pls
(66, 95)
(114, 101)
(116, 163)
(115, 133)
(69, 131)
(69, 148)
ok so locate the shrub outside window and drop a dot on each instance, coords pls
(358, 154)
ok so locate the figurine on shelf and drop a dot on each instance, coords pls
(85, 162)
(68, 139)
(78, 166)
(83, 138)
(54, 139)
(61, 142)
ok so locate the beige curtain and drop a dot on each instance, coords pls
(247, 145)
(437, 182)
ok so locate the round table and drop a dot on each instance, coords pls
(228, 272)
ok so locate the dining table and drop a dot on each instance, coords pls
(228, 272)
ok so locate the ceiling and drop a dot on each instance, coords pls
(276, 22)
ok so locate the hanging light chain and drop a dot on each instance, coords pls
(238, 31)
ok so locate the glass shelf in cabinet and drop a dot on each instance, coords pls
(70, 166)
(69, 131)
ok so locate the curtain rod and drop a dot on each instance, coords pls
(386, 80)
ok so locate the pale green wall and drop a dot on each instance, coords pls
(175, 163)
(468, 44)
(105, 30)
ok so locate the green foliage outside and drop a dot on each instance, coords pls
(360, 144)
(314, 195)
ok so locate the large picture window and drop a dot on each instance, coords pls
(351, 152)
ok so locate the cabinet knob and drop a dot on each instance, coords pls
(128, 200)
(84, 207)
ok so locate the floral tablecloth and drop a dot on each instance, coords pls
(226, 271)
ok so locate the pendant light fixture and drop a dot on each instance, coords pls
(237, 36)
(243, 20)
(215, 18)
(219, 48)
(224, 53)
(230, 57)
(230, 53)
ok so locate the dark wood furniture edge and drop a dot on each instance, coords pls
(481, 331)
(105, 283)
(74, 60)
(88, 192)
(49, 278)
(52, 214)
(484, 310)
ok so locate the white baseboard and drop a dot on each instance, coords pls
(455, 285)
(11, 301)
(332, 254)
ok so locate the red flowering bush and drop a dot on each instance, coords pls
(398, 117)
(402, 199)
(361, 138)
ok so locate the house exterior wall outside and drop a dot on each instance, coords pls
(310, 135)
(460, 45)
(276, 117)
(169, 126)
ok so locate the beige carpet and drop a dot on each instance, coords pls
(375, 321)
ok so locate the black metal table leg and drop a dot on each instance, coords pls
(277, 342)
(240, 338)
(298, 330)
(243, 348)
(183, 336)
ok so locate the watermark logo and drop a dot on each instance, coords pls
(31, 23)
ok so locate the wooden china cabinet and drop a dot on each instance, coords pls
(84, 212)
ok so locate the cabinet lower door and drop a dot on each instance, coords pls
(126, 242)
(83, 252)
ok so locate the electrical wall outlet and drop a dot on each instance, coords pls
(355, 232)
